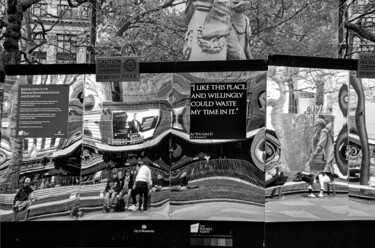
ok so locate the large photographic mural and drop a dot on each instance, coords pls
(302, 156)
(287, 144)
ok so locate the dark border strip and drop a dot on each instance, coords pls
(194, 66)
(2, 76)
(144, 67)
(312, 62)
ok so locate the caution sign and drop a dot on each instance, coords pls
(366, 65)
(117, 69)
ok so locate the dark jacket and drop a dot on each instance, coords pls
(23, 194)
(131, 181)
(114, 184)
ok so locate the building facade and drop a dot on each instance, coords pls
(60, 32)
(357, 12)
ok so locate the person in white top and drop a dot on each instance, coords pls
(142, 185)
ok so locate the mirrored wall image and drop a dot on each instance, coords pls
(306, 167)
(125, 167)
(40, 167)
(216, 177)
(361, 153)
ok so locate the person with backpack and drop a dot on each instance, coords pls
(323, 141)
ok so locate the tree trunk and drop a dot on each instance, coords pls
(93, 31)
(12, 36)
(13, 32)
(319, 92)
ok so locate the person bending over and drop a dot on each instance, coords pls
(142, 185)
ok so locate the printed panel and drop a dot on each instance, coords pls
(40, 176)
(215, 177)
(361, 151)
(127, 135)
(306, 169)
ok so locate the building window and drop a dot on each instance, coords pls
(369, 24)
(39, 9)
(364, 47)
(66, 11)
(358, 6)
(66, 49)
(40, 53)
(84, 12)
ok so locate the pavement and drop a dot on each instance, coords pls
(299, 207)
(289, 208)
(224, 211)
(155, 213)
(302, 208)
(360, 209)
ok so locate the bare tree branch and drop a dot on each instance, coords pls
(288, 19)
(28, 3)
(360, 31)
(37, 46)
(127, 24)
(362, 15)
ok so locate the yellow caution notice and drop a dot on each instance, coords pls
(117, 69)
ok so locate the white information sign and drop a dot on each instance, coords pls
(366, 65)
(117, 69)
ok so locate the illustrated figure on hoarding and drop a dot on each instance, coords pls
(120, 206)
(239, 35)
(183, 179)
(112, 188)
(120, 129)
(127, 190)
(142, 185)
(158, 182)
(23, 198)
(134, 125)
(121, 178)
(275, 177)
(322, 141)
(131, 193)
(42, 184)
